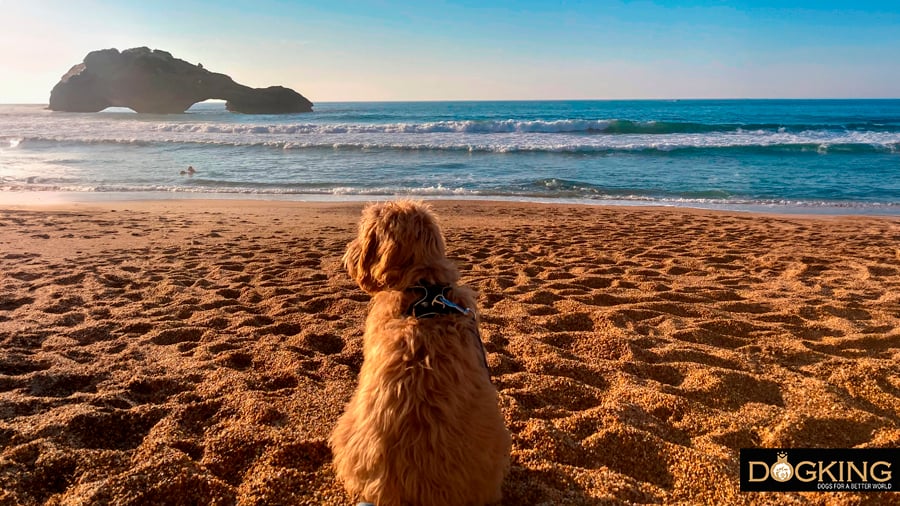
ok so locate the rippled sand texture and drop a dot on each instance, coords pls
(190, 352)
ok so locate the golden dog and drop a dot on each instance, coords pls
(423, 427)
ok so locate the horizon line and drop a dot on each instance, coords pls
(458, 100)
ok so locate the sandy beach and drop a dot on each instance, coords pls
(200, 352)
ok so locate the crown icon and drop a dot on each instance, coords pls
(782, 470)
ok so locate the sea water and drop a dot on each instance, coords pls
(813, 155)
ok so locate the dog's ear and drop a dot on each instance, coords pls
(351, 260)
(362, 254)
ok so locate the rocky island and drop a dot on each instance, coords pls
(153, 81)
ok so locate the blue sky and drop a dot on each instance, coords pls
(397, 50)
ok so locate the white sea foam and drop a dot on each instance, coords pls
(354, 193)
(499, 135)
(502, 142)
(468, 126)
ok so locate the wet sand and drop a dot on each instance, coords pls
(200, 352)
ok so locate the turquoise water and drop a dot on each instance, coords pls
(820, 155)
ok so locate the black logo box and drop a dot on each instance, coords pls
(822, 469)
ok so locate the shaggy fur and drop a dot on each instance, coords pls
(423, 427)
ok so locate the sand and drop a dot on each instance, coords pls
(200, 352)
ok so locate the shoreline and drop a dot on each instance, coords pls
(62, 198)
(201, 351)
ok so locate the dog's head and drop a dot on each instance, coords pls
(399, 244)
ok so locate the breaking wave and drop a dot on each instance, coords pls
(600, 126)
(806, 142)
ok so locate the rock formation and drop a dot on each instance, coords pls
(155, 82)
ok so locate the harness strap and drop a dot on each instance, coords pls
(434, 302)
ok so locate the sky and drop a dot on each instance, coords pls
(365, 50)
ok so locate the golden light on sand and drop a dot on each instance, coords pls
(204, 350)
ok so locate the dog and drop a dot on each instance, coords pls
(423, 427)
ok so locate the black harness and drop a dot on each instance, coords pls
(433, 302)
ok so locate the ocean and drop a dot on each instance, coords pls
(819, 156)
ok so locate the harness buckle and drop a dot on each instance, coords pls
(440, 299)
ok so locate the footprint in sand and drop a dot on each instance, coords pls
(178, 335)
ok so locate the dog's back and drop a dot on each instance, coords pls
(424, 426)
